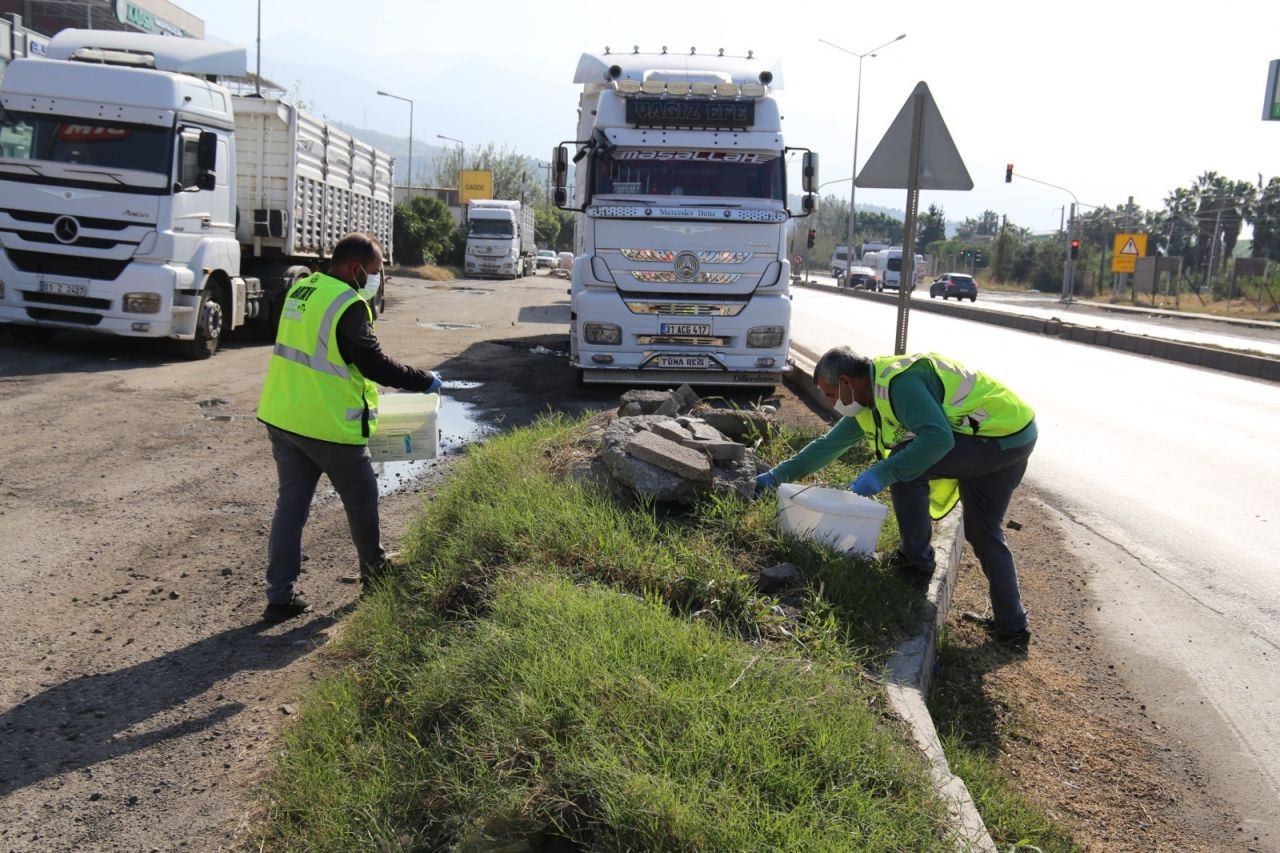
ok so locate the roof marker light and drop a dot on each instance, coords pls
(704, 88)
(728, 90)
(628, 87)
(653, 87)
(754, 90)
(677, 87)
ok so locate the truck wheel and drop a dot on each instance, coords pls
(209, 327)
(29, 335)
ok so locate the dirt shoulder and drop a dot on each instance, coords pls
(141, 697)
(1063, 722)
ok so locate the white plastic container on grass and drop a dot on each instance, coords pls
(836, 517)
(407, 429)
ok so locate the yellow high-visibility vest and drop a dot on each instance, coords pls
(309, 389)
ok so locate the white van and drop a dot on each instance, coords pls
(888, 266)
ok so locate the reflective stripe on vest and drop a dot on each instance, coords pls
(310, 390)
(967, 394)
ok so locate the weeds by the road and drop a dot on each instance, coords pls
(560, 670)
(427, 272)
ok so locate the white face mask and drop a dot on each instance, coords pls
(849, 410)
(373, 282)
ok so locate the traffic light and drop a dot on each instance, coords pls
(1008, 174)
(1075, 249)
(813, 235)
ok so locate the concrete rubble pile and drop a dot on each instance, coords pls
(671, 447)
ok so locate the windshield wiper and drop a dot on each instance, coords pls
(112, 175)
(25, 166)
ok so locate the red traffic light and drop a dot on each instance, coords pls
(1075, 248)
(1008, 174)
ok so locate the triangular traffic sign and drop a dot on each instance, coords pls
(941, 167)
(1130, 248)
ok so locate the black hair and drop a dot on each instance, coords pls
(358, 247)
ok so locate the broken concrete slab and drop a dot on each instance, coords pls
(648, 400)
(704, 431)
(631, 474)
(670, 456)
(689, 398)
(669, 408)
(630, 409)
(721, 451)
(735, 423)
(672, 430)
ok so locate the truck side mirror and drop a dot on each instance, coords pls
(559, 166)
(810, 172)
(207, 161)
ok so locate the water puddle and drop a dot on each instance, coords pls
(459, 425)
(479, 290)
(449, 327)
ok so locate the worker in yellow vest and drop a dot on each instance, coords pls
(942, 433)
(320, 405)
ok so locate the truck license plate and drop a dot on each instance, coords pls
(697, 362)
(63, 289)
(686, 328)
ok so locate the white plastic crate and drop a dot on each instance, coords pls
(841, 519)
(407, 428)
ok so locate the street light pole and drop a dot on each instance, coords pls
(857, 121)
(462, 150)
(257, 74)
(408, 184)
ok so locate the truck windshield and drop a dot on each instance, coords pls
(500, 228)
(674, 172)
(88, 142)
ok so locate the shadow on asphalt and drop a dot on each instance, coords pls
(86, 721)
(70, 351)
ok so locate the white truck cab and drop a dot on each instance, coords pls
(681, 272)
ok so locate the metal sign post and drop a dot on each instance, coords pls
(907, 275)
(916, 153)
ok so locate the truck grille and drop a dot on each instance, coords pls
(686, 309)
(71, 266)
(683, 340)
(56, 316)
(85, 221)
(668, 255)
(70, 301)
(664, 277)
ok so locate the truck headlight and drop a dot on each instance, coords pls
(604, 334)
(765, 337)
(142, 303)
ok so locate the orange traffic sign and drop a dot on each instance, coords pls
(1126, 251)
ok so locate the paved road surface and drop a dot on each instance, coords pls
(1188, 330)
(1168, 480)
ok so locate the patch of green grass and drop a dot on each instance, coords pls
(971, 731)
(554, 662)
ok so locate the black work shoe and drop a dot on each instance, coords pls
(372, 575)
(916, 577)
(285, 610)
(1015, 640)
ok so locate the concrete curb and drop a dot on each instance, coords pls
(910, 671)
(1228, 361)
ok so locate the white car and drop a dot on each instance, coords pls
(546, 260)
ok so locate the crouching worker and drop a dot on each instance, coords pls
(942, 433)
(320, 405)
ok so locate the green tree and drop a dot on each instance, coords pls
(933, 227)
(514, 175)
(546, 227)
(986, 225)
(1265, 219)
(422, 230)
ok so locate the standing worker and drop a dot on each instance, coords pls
(942, 433)
(320, 405)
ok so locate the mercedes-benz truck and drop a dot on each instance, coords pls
(500, 242)
(680, 187)
(139, 197)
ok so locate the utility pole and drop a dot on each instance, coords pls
(1069, 266)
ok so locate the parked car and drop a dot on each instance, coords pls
(546, 260)
(954, 284)
(861, 278)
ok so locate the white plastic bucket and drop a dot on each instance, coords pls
(836, 517)
(406, 428)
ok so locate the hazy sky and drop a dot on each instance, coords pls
(1107, 99)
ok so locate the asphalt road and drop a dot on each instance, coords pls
(1168, 484)
(1189, 330)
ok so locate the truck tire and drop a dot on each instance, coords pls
(209, 327)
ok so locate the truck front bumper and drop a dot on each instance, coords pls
(64, 302)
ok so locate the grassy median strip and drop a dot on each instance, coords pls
(558, 666)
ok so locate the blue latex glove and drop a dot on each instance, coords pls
(867, 484)
(766, 482)
(436, 384)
